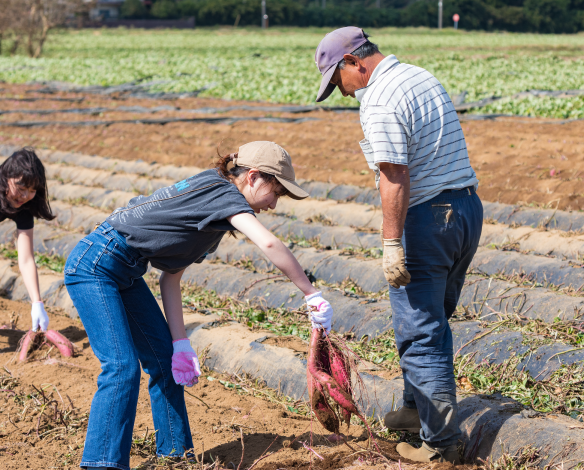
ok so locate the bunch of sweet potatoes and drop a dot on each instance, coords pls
(31, 339)
(329, 378)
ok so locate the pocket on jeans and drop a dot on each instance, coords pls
(443, 214)
(118, 253)
(77, 255)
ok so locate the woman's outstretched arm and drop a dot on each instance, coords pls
(274, 249)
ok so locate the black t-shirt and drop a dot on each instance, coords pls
(23, 218)
(177, 225)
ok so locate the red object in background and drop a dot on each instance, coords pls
(456, 18)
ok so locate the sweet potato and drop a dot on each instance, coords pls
(325, 415)
(340, 371)
(62, 344)
(318, 401)
(321, 381)
(25, 344)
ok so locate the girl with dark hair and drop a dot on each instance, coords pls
(23, 196)
(171, 229)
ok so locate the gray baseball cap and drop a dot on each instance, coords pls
(330, 52)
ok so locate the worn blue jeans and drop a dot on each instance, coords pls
(440, 239)
(126, 328)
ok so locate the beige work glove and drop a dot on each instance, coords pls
(394, 261)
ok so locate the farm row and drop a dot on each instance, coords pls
(508, 293)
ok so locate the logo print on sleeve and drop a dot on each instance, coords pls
(182, 185)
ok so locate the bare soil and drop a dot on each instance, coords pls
(266, 426)
(518, 160)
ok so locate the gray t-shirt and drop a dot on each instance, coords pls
(178, 225)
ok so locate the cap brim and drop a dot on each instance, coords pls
(326, 87)
(294, 191)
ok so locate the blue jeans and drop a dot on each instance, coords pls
(440, 239)
(126, 328)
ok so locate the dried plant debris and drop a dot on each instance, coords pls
(37, 412)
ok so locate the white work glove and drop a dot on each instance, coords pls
(185, 363)
(321, 312)
(39, 316)
(394, 263)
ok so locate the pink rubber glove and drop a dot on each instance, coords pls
(185, 363)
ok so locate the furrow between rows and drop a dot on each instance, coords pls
(539, 269)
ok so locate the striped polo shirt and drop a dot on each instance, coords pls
(408, 119)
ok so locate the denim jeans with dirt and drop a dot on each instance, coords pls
(126, 329)
(440, 239)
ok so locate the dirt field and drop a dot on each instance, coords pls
(28, 440)
(543, 170)
(517, 160)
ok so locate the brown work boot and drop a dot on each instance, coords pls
(404, 419)
(429, 454)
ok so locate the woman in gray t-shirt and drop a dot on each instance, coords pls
(170, 229)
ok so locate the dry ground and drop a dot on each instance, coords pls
(216, 430)
(517, 160)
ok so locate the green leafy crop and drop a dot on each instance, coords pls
(278, 65)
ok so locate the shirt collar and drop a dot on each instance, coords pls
(383, 66)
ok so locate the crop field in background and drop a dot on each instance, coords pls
(278, 65)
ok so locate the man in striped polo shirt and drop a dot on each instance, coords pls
(432, 220)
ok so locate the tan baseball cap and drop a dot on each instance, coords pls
(272, 159)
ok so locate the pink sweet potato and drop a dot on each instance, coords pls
(325, 415)
(340, 371)
(32, 339)
(322, 357)
(25, 344)
(318, 401)
(61, 343)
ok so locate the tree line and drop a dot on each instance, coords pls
(542, 16)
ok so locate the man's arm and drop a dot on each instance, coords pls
(394, 188)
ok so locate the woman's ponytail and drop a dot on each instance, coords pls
(222, 165)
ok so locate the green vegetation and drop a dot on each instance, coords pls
(278, 65)
(571, 108)
(52, 262)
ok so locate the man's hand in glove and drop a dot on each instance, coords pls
(185, 363)
(394, 263)
(321, 312)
